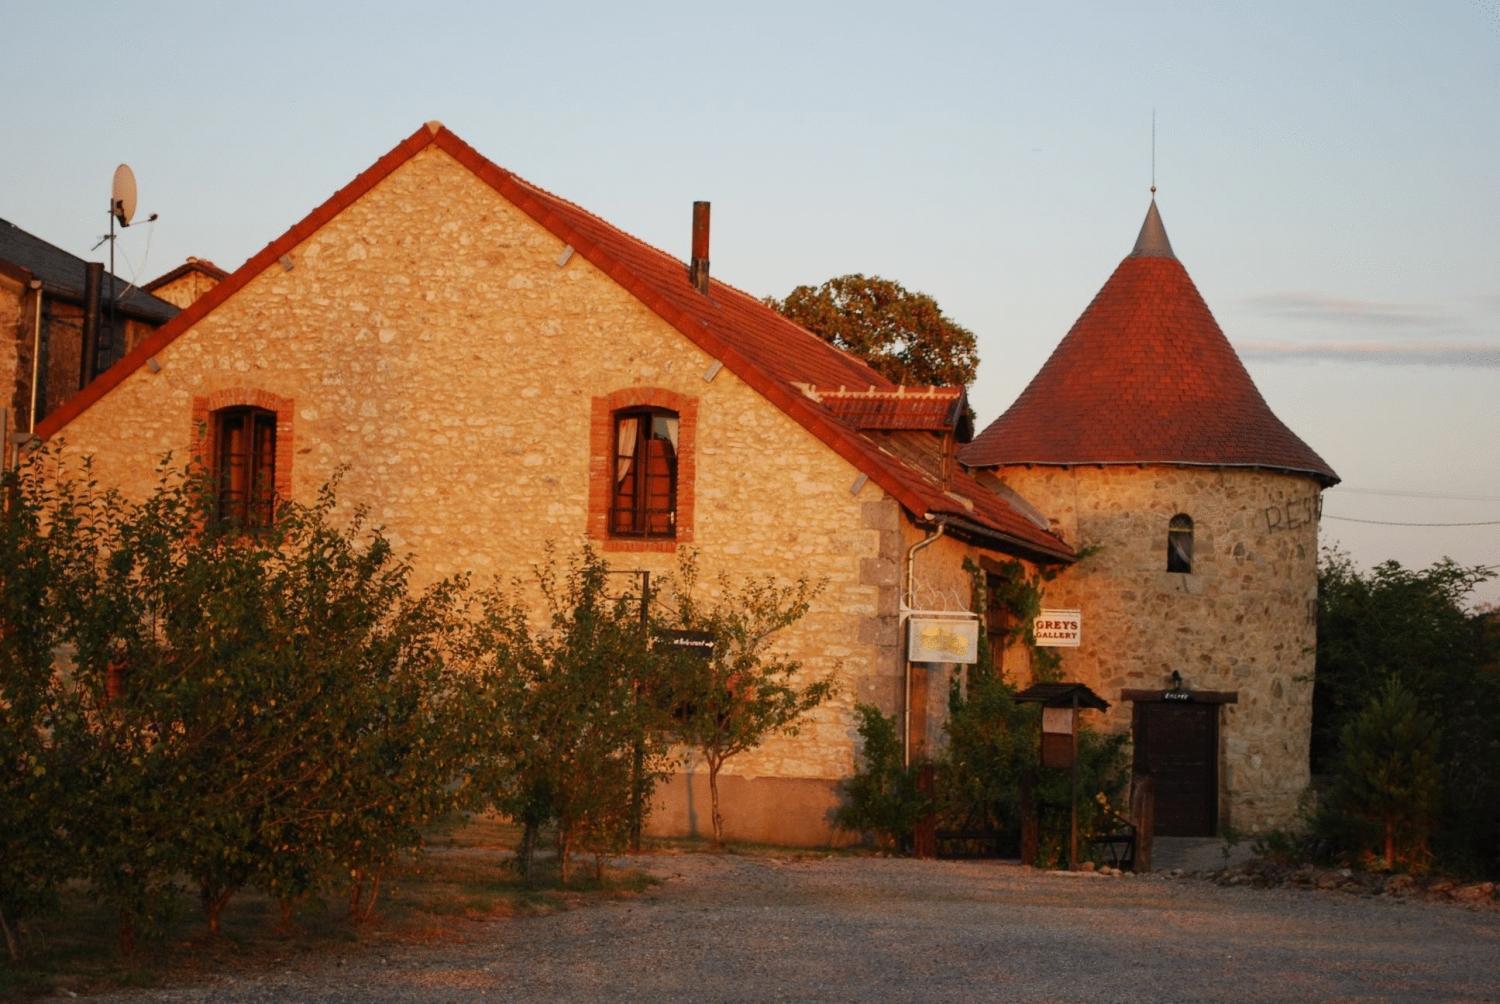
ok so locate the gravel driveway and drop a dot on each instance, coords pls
(861, 929)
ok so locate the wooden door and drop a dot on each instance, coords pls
(1177, 743)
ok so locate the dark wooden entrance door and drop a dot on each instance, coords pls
(1177, 743)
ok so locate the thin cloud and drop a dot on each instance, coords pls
(1409, 353)
(1345, 311)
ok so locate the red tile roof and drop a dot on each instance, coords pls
(928, 409)
(769, 352)
(1145, 376)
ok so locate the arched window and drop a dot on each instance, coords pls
(1180, 544)
(245, 465)
(644, 497)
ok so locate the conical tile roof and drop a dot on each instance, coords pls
(1145, 376)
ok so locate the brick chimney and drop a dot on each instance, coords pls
(698, 266)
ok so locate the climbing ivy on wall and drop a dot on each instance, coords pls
(1020, 593)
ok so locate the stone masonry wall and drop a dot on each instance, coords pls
(429, 341)
(184, 289)
(14, 332)
(1243, 620)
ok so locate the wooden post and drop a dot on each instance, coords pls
(1142, 816)
(638, 757)
(924, 834)
(1030, 837)
(1073, 794)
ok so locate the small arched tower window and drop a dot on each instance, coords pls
(1180, 543)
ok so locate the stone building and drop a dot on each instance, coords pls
(495, 368)
(188, 281)
(46, 323)
(1196, 511)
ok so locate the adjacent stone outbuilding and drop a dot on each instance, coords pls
(1146, 443)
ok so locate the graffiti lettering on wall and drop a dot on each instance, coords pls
(1294, 513)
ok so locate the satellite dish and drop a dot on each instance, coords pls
(122, 195)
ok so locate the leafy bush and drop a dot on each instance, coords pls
(992, 767)
(993, 747)
(565, 735)
(1385, 794)
(35, 778)
(1414, 626)
(882, 796)
(743, 692)
(276, 707)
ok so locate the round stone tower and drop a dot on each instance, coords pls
(1145, 441)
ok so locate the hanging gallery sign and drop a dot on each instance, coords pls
(1058, 628)
(943, 639)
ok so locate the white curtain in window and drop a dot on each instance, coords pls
(624, 448)
(671, 423)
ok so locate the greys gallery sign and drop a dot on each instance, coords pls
(1058, 628)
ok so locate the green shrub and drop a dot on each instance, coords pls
(275, 707)
(882, 796)
(1385, 793)
(744, 691)
(992, 765)
(564, 735)
(1416, 626)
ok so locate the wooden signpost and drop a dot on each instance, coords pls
(1061, 703)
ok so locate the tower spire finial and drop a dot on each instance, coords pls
(1153, 153)
(1152, 241)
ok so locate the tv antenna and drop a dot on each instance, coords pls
(122, 198)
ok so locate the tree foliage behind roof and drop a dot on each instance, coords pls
(904, 335)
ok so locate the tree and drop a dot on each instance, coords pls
(35, 778)
(902, 334)
(565, 718)
(378, 739)
(273, 707)
(732, 699)
(1386, 784)
(1414, 626)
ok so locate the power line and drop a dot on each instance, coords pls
(1391, 522)
(1390, 493)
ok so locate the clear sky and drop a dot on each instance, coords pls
(1329, 172)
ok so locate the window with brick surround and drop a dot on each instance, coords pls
(225, 449)
(245, 465)
(644, 500)
(642, 469)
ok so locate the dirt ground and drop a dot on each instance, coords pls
(751, 928)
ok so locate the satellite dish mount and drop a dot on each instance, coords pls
(122, 198)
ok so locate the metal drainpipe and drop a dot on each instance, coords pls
(36, 353)
(906, 603)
